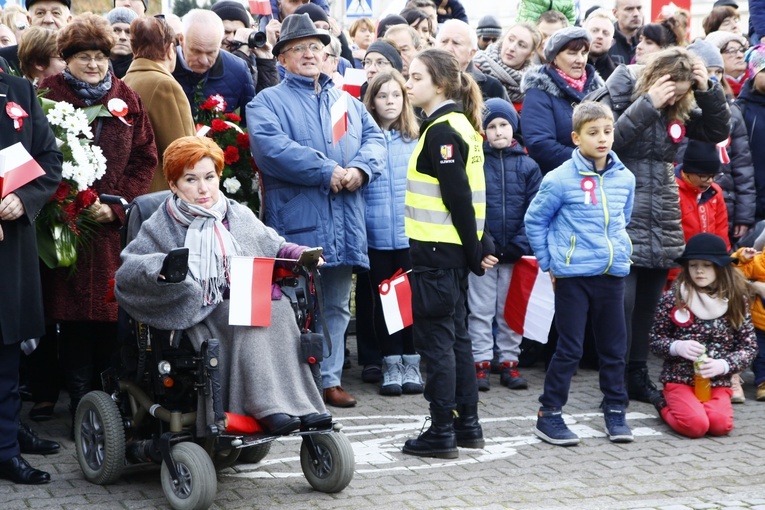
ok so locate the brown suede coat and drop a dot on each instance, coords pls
(166, 103)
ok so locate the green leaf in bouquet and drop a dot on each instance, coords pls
(95, 111)
(46, 247)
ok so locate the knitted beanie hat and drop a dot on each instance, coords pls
(497, 107)
(387, 51)
(229, 10)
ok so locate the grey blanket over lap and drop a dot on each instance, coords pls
(261, 373)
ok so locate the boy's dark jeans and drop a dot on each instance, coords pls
(602, 297)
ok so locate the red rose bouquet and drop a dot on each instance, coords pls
(239, 180)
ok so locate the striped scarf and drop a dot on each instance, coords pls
(210, 244)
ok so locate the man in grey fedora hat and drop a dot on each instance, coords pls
(314, 177)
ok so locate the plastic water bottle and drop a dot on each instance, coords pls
(701, 385)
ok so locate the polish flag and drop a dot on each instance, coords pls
(353, 79)
(396, 298)
(17, 167)
(530, 303)
(250, 291)
(260, 7)
(339, 117)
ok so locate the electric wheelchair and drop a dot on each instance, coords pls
(147, 411)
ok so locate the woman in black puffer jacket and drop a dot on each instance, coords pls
(655, 106)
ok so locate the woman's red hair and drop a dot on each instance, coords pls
(185, 152)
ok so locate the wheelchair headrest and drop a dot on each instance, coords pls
(140, 209)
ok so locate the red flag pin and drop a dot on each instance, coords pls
(17, 113)
(118, 108)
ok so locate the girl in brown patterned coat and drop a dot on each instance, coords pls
(705, 313)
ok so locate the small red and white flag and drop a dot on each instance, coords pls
(260, 7)
(396, 298)
(17, 167)
(530, 303)
(250, 291)
(353, 79)
(338, 113)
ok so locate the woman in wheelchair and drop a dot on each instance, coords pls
(262, 375)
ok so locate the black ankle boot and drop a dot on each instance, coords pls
(640, 387)
(466, 427)
(439, 441)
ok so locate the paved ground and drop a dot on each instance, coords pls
(659, 470)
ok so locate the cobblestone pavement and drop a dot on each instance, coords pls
(660, 470)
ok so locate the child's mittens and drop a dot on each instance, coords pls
(713, 367)
(688, 349)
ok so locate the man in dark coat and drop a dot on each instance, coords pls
(600, 25)
(202, 68)
(629, 19)
(21, 309)
(459, 39)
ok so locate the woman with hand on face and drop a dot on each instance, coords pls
(88, 324)
(263, 375)
(509, 58)
(655, 107)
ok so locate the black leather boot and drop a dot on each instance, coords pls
(640, 387)
(439, 441)
(78, 384)
(466, 427)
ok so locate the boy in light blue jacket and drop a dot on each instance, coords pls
(576, 226)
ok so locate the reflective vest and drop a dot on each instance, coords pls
(427, 218)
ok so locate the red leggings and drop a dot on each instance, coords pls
(686, 415)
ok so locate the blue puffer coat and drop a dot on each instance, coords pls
(547, 110)
(291, 140)
(512, 181)
(385, 197)
(573, 236)
(229, 77)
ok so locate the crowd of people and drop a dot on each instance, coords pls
(622, 154)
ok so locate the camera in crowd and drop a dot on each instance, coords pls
(254, 40)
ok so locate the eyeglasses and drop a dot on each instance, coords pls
(733, 51)
(301, 49)
(331, 55)
(489, 39)
(707, 177)
(87, 59)
(379, 63)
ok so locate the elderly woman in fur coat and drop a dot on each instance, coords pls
(263, 374)
(87, 323)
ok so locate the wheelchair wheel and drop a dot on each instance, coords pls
(334, 471)
(198, 484)
(99, 438)
(254, 454)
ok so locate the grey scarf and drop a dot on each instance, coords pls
(490, 62)
(91, 94)
(210, 244)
